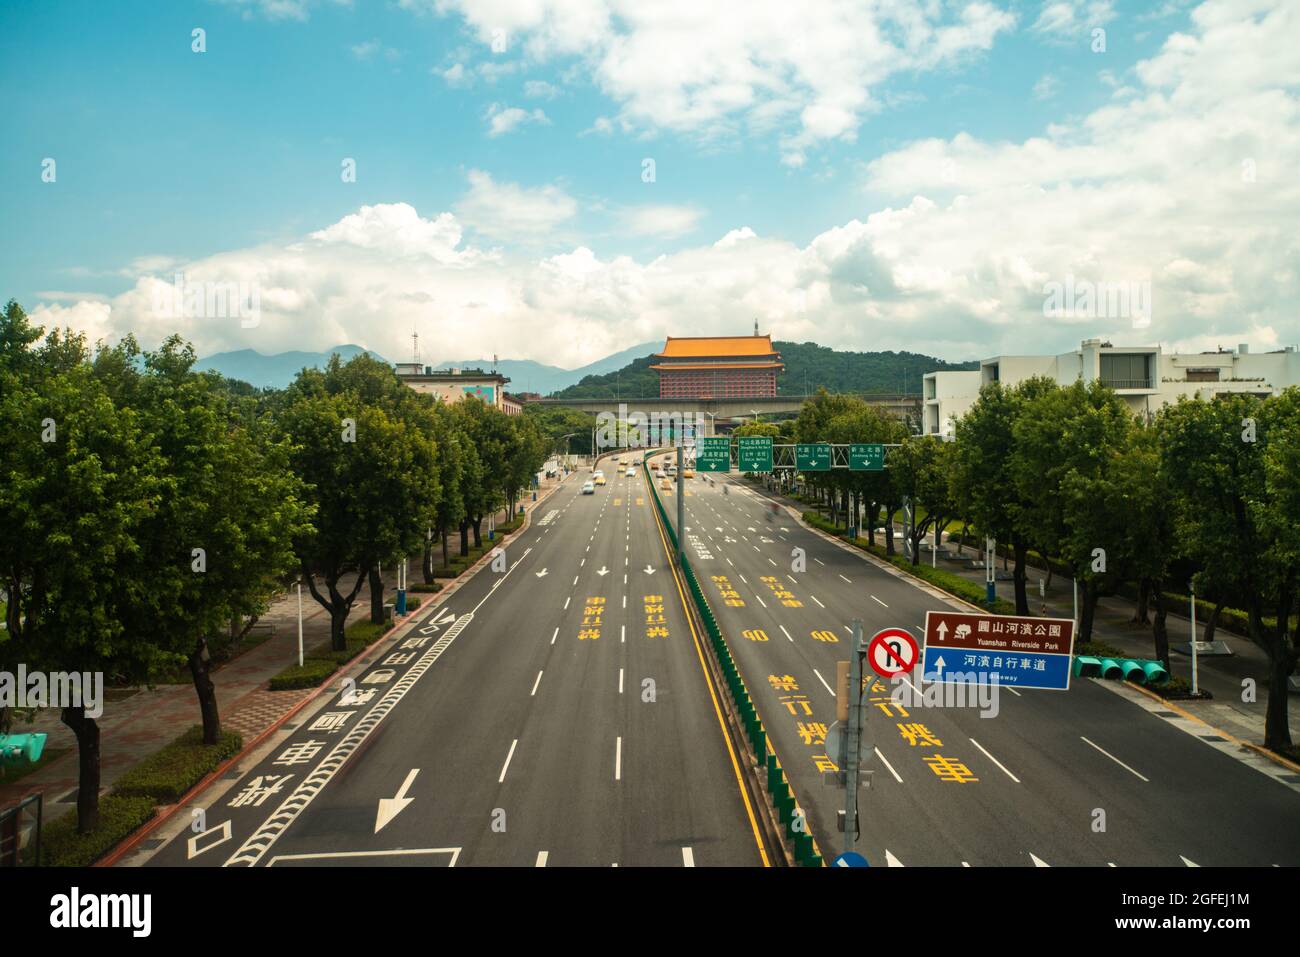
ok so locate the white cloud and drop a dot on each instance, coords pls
(666, 222)
(807, 70)
(370, 49)
(540, 89)
(504, 119)
(278, 9)
(510, 211)
(1046, 86)
(953, 260)
(1069, 20)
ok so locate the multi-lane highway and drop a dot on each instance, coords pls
(1081, 777)
(553, 711)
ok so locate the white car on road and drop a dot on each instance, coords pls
(588, 488)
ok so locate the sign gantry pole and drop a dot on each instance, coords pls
(852, 739)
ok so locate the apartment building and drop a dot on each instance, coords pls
(1144, 376)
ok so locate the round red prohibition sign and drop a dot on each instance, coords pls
(892, 652)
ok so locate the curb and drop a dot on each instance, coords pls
(356, 666)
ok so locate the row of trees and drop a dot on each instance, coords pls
(1206, 491)
(152, 512)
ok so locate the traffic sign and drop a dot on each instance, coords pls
(850, 859)
(754, 453)
(713, 454)
(837, 745)
(892, 652)
(1019, 651)
(866, 457)
(812, 456)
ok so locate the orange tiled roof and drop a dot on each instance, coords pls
(695, 366)
(687, 347)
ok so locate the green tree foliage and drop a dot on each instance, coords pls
(1228, 463)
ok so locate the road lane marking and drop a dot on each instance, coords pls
(820, 562)
(823, 681)
(505, 767)
(618, 758)
(535, 684)
(620, 680)
(566, 602)
(878, 601)
(787, 634)
(1115, 759)
(622, 634)
(760, 599)
(555, 635)
(995, 761)
(688, 857)
(1038, 861)
(885, 762)
(541, 858)
(891, 860)
(814, 598)
(847, 580)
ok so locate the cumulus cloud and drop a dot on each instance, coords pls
(666, 222)
(808, 69)
(1186, 182)
(504, 119)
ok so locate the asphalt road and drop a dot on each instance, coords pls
(1077, 777)
(553, 713)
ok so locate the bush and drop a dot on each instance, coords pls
(412, 603)
(166, 775)
(428, 588)
(1099, 649)
(313, 672)
(119, 817)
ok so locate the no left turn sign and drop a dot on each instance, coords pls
(892, 652)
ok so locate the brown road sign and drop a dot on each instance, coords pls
(949, 629)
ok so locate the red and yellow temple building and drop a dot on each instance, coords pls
(717, 367)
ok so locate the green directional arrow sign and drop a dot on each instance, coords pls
(866, 457)
(812, 457)
(713, 454)
(754, 453)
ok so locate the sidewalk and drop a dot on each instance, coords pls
(138, 722)
(1112, 625)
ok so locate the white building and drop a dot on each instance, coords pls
(1144, 376)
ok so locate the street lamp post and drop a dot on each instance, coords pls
(300, 621)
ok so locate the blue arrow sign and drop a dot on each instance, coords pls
(1012, 668)
(850, 859)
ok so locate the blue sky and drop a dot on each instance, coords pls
(169, 159)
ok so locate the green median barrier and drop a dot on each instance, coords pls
(1133, 671)
(1155, 672)
(773, 773)
(1086, 666)
(1111, 669)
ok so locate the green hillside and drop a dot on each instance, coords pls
(808, 367)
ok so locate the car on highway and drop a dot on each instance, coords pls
(600, 479)
(688, 473)
(631, 472)
(588, 488)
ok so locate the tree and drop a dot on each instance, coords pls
(921, 468)
(221, 539)
(81, 479)
(1228, 463)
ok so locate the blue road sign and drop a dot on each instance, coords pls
(1012, 668)
(850, 859)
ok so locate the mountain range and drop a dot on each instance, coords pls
(525, 375)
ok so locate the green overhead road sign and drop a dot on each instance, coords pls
(713, 454)
(866, 457)
(754, 453)
(812, 456)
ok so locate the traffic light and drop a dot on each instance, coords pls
(1141, 671)
(18, 749)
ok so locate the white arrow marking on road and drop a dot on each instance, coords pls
(389, 808)
(649, 570)
(602, 570)
(1038, 861)
(541, 574)
(891, 860)
(1187, 862)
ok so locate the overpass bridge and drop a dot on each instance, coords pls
(903, 405)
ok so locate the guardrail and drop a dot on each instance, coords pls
(779, 792)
